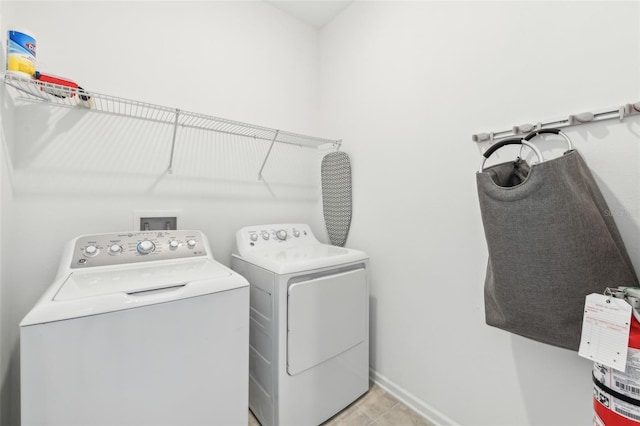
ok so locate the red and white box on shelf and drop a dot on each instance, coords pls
(57, 86)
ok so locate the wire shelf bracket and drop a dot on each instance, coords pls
(275, 137)
(173, 142)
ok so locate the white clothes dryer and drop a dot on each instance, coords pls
(138, 328)
(309, 326)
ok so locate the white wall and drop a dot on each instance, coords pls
(406, 84)
(76, 172)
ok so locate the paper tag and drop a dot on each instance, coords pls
(605, 330)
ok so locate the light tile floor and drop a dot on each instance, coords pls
(374, 408)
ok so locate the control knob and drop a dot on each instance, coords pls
(145, 247)
(281, 234)
(265, 235)
(173, 244)
(191, 243)
(115, 249)
(296, 233)
(254, 237)
(90, 250)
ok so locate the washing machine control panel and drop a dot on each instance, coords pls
(251, 238)
(133, 247)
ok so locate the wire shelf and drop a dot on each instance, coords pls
(33, 90)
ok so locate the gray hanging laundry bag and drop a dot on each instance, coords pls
(551, 241)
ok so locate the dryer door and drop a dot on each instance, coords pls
(326, 316)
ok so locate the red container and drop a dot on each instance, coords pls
(616, 395)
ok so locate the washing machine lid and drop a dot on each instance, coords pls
(303, 258)
(109, 289)
(138, 279)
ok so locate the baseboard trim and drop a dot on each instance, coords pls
(407, 398)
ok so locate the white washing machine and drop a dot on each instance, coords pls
(138, 328)
(309, 327)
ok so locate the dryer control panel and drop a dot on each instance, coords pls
(278, 236)
(133, 247)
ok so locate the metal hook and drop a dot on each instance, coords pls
(500, 144)
(552, 131)
(609, 293)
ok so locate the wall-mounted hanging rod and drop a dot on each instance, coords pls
(573, 120)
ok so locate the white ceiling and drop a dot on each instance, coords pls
(316, 13)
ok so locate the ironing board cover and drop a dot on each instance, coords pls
(336, 196)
